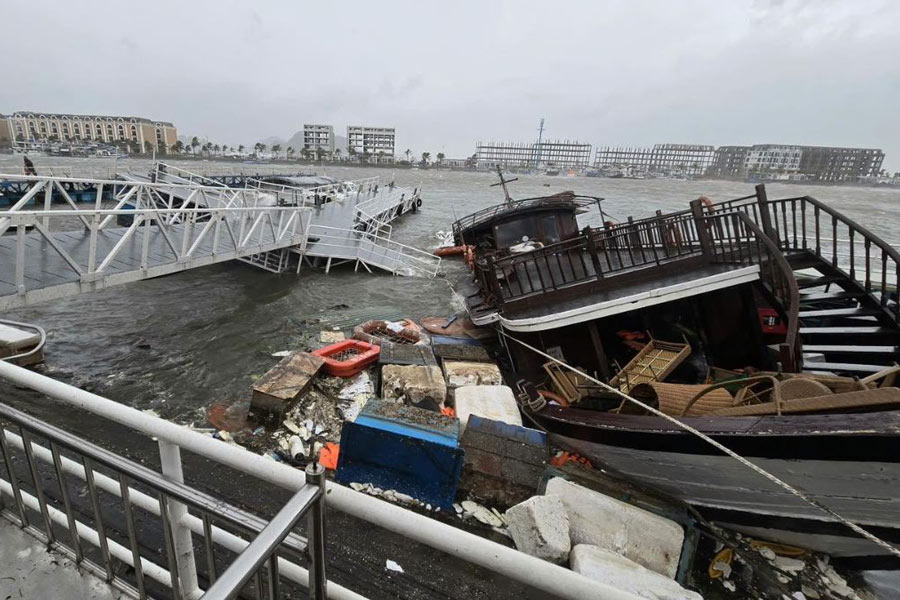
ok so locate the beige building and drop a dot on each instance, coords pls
(371, 140)
(27, 126)
(317, 137)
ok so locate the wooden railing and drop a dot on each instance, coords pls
(736, 238)
(804, 223)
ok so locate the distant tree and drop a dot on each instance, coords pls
(240, 149)
(195, 143)
(440, 157)
(337, 153)
(407, 153)
(148, 147)
(290, 152)
(380, 155)
(425, 157)
(305, 153)
(351, 150)
(366, 155)
(276, 148)
(319, 153)
(178, 147)
(216, 148)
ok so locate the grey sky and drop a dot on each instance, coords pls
(447, 74)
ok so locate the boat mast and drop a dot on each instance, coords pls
(537, 157)
(503, 182)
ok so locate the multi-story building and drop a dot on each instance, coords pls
(805, 163)
(27, 126)
(5, 131)
(728, 162)
(318, 137)
(828, 163)
(684, 159)
(371, 141)
(559, 153)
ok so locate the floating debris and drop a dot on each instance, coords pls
(390, 565)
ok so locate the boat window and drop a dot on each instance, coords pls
(512, 232)
(549, 229)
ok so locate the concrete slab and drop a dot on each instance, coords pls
(540, 527)
(596, 519)
(275, 392)
(414, 384)
(29, 570)
(495, 402)
(617, 571)
(462, 373)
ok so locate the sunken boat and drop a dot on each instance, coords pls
(771, 326)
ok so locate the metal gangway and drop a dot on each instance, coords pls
(153, 229)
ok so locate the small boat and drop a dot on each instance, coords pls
(451, 251)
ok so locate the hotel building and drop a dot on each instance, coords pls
(27, 126)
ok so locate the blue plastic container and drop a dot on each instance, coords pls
(403, 448)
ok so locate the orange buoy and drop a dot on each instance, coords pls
(349, 357)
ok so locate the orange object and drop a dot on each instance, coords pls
(555, 397)
(328, 456)
(564, 458)
(470, 258)
(451, 251)
(448, 411)
(347, 358)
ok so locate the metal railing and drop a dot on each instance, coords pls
(45, 509)
(172, 439)
(167, 229)
(42, 339)
(370, 248)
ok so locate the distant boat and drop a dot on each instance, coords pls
(552, 172)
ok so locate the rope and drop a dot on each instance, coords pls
(786, 486)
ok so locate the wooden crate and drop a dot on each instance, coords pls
(655, 362)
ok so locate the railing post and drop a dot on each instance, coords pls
(315, 532)
(593, 251)
(765, 216)
(170, 463)
(706, 245)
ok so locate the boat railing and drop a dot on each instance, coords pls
(186, 515)
(369, 247)
(596, 254)
(735, 238)
(95, 538)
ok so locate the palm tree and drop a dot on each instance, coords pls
(148, 147)
(305, 153)
(337, 153)
(440, 157)
(380, 155)
(290, 152)
(425, 157)
(240, 148)
(194, 143)
(276, 148)
(407, 153)
(319, 153)
(351, 151)
(178, 147)
(366, 155)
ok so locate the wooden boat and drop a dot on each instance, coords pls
(717, 275)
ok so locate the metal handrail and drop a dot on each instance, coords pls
(428, 263)
(37, 329)
(169, 490)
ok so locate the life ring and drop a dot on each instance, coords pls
(555, 397)
(418, 202)
(377, 331)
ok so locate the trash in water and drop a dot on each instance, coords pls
(392, 566)
(281, 353)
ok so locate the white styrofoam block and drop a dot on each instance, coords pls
(495, 402)
(619, 572)
(594, 518)
(460, 373)
(539, 527)
(15, 338)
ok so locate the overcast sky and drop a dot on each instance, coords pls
(447, 74)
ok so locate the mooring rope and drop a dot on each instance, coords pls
(812, 502)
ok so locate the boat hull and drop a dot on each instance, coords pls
(849, 469)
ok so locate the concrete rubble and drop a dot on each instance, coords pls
(414, 384)
(652, 541)
(331, 337)
(495, 402)
(615, 570)
(459, 374)
(275, 392)
(540, 527)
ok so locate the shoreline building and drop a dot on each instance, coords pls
(318, 136)
(797, 163)
(372, 140)
(549, 153)
(28, 126)
(682, 159)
